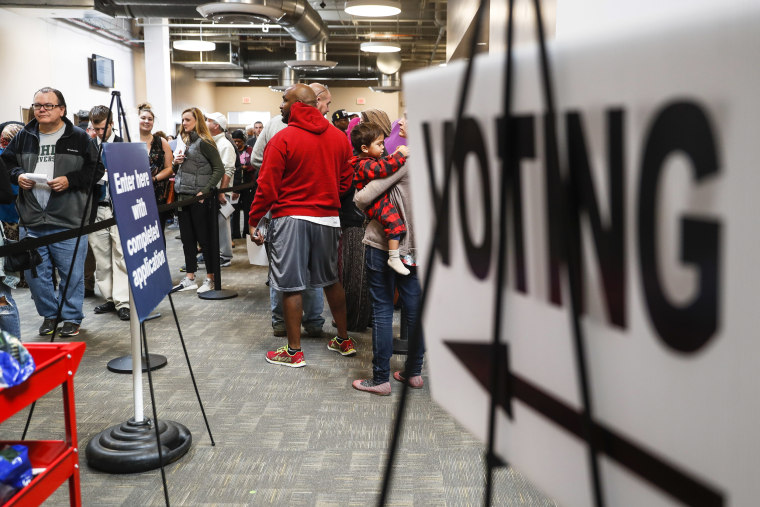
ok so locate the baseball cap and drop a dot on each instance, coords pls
(218, 118)
(340, 114)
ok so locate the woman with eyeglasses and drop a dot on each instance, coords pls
(198, 168)
(160, 157)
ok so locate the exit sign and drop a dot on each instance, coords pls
(246, 100)
(361, 101)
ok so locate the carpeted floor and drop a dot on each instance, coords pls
(284, 436)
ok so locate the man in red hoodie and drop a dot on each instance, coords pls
(304, 172)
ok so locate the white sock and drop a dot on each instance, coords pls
(394, 261)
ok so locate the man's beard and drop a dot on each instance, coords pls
(285, 117)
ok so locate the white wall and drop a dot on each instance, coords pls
(524, 24)
(459, 15)
(187, 92)
(580, 19)
(39, 52)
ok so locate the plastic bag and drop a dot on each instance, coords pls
(15, 467)
(16, 364)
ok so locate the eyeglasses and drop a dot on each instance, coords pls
(46, 107)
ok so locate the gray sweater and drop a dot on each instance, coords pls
(397, 187)
(272, 127)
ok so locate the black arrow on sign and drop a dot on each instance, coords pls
(668, 478)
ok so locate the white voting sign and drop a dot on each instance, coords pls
(662, 132)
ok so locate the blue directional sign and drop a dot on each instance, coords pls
(136, 212)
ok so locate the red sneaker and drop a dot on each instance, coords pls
(344, 349)
(281, 356)
(370, 386)
(415, 381)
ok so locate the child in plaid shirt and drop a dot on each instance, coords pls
(370, 164)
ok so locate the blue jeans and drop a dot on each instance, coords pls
(313, 304)
(9, 321)
(382, 283)
(58, 255)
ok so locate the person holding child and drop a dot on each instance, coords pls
(383, 282)
(370, 164)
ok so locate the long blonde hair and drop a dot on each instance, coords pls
(200, 127)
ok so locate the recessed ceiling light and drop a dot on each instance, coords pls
(373, 8)
(193, 45)
(380, 47)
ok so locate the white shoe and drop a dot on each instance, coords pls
(184, 284)
(208, 284)
(397, 266)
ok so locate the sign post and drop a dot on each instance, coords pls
(121, 448)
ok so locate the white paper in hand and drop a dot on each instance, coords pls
(40, 180)
(180, 148)
(257, 255)
(226, 209)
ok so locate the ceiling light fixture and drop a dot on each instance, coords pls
(373, 8)
(380, 47)
(193, 45)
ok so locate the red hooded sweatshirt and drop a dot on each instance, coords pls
(305, 168)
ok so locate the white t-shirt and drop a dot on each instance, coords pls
(328, 221)
(45, 164)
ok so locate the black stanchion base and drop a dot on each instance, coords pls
(399, 346)
(123, 364)
(218, 294)
(130, 447)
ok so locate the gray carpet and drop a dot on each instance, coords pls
(284, 436)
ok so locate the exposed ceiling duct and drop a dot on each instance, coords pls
(284, 26)
(269, 64)
(288, 78)
(221, 75)
(296, 17)
(389, 63)
(148, 8)
(387, 83)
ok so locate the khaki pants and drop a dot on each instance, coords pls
(110, 269)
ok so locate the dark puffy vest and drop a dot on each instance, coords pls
(195, 172)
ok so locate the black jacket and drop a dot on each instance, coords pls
(76, 157)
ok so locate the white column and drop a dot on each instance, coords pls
(524, 23)
(158, 78)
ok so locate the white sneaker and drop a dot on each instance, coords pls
(208, 284)
(184, 284)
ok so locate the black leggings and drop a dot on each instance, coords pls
(194, 229)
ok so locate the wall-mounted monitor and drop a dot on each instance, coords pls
(101, 71)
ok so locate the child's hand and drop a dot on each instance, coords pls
(403, 149)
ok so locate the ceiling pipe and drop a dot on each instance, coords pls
(387, 83)
(102, 32)
(296, 17)
(288, 78)
(148, 8)
(441, 30)
(264, 63)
